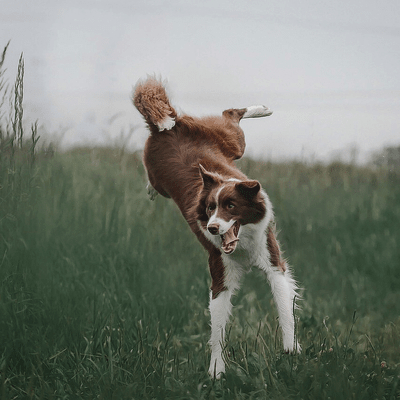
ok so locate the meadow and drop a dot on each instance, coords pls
(104, 294)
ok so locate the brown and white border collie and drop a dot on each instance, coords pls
(191, 160)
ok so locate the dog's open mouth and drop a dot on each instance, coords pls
(230, 239)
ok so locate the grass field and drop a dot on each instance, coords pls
(104, 294)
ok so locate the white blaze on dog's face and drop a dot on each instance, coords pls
(226, 205)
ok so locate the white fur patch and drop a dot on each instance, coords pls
(257, 112)
(167, 123)
(224, 226)
(218, 193)
(284, 290)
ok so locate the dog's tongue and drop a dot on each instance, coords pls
(230, 239)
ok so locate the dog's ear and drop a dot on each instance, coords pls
(209, 179)
(248, 189)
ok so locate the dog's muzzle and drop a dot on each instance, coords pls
(229, 238)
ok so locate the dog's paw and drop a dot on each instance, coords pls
(293, 348)
(152, 193)
(217, 368)
(257, 112)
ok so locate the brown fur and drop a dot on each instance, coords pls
(217, 271)
(152, 101)
(172, 158)
(274, 250)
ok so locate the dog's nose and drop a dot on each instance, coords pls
(213, 229)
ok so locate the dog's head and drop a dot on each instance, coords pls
(226, 205)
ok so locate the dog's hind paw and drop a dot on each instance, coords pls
(257, 112)
(151, 192)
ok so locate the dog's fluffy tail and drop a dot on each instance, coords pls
(151, 100)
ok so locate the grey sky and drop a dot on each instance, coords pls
(330, 70)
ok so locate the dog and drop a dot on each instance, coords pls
(191, 160)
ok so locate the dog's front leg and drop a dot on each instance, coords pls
(220, 310)
(284, 291)
(226, 276)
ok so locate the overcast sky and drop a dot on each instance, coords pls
(330, 70)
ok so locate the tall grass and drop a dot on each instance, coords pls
(103, 294)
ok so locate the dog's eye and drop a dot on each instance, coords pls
(211, 207)
(231, 205)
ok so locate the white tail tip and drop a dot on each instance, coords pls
(257, 112)
(167, 123)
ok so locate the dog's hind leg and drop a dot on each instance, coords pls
(234, 140)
